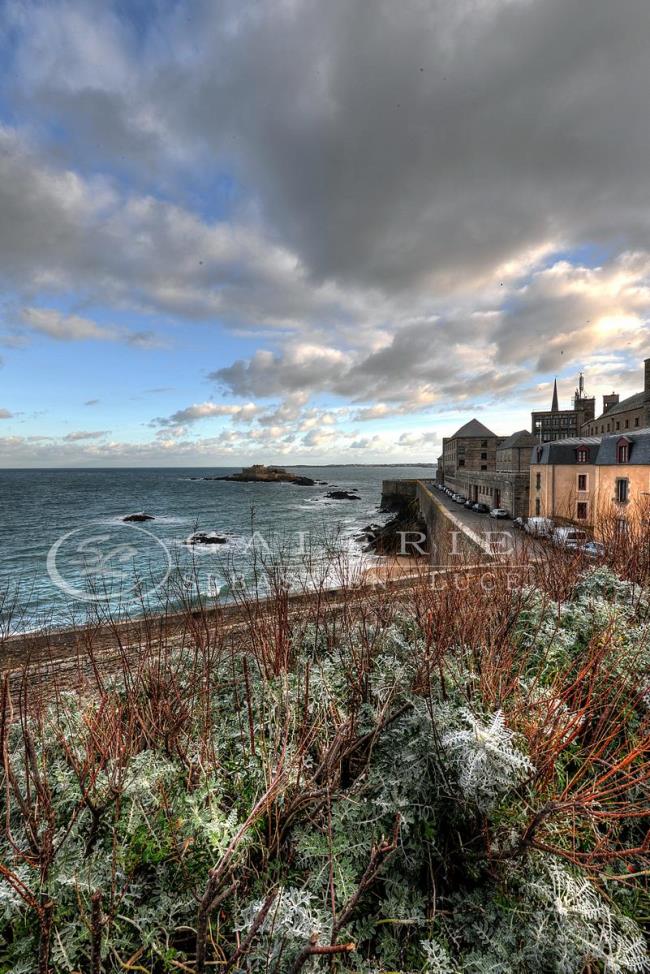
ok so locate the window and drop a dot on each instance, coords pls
(622, 490)
(483, 456)
(582, 481)
(483, 443)
(538, 507)
(636, 420)
(581, 511)
(623, 451)
(582, 454)
(602, 428)
(461, 463)
(484, 466)
(538, 481)
(627, 424)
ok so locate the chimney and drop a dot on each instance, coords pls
(646, 384)
(609, 401)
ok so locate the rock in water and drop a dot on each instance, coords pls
(139, 517)
(342, 495)
(203, 537)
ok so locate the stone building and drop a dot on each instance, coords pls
(592, 480)
(472, 447)
(620, 415)
(557, 424)
(487, 468)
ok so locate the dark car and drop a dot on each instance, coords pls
(468, 504)
(481, 508)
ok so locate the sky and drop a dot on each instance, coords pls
(308, 232)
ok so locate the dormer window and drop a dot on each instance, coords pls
(623, 450)
(582, 454)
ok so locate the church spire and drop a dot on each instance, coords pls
(554, 405)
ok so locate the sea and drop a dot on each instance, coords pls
(68, 558)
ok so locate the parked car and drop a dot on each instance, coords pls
(568, 537)
(460, 498)
(481, 508)
(593, 549)
(541, 527)
(499, 512)
(519, 523)
(468, 504)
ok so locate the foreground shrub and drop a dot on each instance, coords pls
(408, 792)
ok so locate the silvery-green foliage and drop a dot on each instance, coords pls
(449, 900)
(559, 632)
(603, 582)
(486, 758)
(206, 815)
(437, 959)
(584, 927)
(294, 916)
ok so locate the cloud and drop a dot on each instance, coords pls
(74, 328)
(407, 207)
(60, 229)
(568, 312)
(298, 368)
(207, 410)
(78, 435)
(5, 414)
(91, 402)
(64, 327)
(391, 146)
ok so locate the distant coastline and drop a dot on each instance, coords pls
(325, 465)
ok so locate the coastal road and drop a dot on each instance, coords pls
(505, 538)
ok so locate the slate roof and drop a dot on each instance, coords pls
(639, 446)
(632, 402)
(473, 428)
(519, 439)
(602, 449)
(564, 451)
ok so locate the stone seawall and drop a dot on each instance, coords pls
(397, 494)
(449, 540)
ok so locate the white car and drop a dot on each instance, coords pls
(541, 527)
(499, 512)
(568, 537)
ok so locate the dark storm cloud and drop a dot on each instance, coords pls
(388, 144)
(393, 143)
